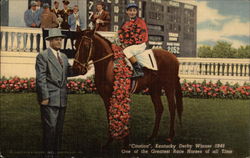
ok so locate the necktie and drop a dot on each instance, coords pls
(59, 59)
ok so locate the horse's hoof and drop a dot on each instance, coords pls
(169, 140)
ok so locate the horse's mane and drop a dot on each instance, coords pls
(105, 39)
(109, 48)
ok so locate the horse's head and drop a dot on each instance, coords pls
(84, 47)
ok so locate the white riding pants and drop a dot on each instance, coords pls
(134, 50)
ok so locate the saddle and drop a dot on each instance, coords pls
(146, 59)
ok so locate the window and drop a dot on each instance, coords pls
(169, 9)
(175, 27)
(155, 38)
(155, 27)
(192, 29)
(179, 28)
(170, 27)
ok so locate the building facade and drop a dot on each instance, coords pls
(171, 23)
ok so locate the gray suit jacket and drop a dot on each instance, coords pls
(51, 78)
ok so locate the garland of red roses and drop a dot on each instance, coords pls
(120, 100)
(131, 34)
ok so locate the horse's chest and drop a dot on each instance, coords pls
(104, 75)
(109, 72)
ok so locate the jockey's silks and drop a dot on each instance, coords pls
(133, 32)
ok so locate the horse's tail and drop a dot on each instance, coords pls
(178, 98)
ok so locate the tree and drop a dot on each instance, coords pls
(243, 52)
(223, 49)
(205, 52)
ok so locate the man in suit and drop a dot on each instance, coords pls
(32, 19)
(101, 18)
(74, 20)
(52, 70)
(48, 19)
(65, 12)
(56, 9)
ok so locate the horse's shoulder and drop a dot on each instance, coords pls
(160, 52)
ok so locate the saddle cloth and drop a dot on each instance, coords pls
(146, 59)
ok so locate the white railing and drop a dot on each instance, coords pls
(21, 39)
(215, 66)
(13, 40)
(224, 69)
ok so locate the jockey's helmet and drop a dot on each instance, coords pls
(132, 5)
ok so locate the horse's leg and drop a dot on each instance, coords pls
(170, 93)
(155, 93)
(110, 139)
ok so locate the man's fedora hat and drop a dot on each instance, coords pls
(32, 3)
(45, 5)
(53, 33)
(66, 2)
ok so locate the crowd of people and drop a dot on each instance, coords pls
(44, 16)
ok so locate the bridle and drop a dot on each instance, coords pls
(87, 64)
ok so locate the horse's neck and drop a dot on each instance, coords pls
(102, 49)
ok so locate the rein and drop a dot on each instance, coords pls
(85, 65)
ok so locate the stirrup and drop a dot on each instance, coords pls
(137, 74)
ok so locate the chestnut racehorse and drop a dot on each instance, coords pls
(92, 46)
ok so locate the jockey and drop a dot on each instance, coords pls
(133, 35)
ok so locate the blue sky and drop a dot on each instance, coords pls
(227, 20)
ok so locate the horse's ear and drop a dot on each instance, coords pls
(90, 33)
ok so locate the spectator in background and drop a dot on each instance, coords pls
(56, 9)
(31, 18)
(101, 18)
(65, 12)
(48, 19)
(74, 20)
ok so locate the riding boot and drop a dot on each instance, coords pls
(137, 70)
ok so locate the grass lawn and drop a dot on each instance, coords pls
(205, 121)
